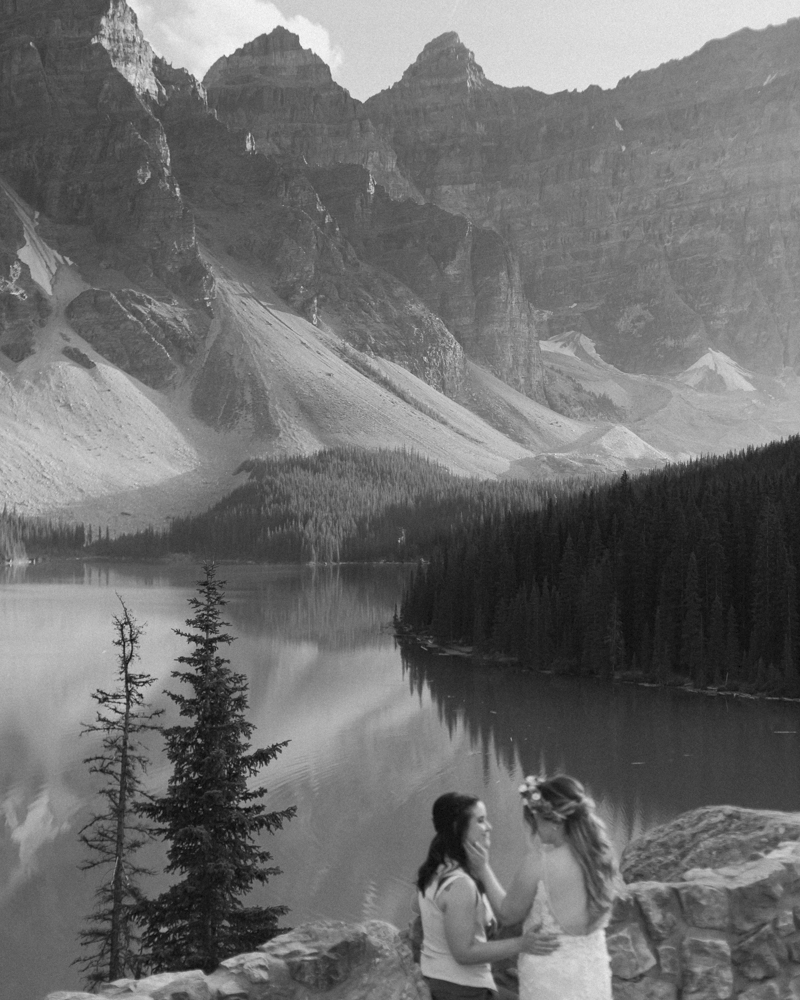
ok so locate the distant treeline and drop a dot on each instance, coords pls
(32, 537)
(683, 574)
(339, 505)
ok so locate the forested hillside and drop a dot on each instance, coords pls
(23, 538)
(685, 574)
(341, 505)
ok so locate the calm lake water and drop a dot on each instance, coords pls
(375, 737)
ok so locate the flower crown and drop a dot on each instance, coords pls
(536, 803)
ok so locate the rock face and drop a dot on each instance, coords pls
(709, 837)
(285, 97)
(660, 217)
(23, 307)
(268, 214)
(715, 934)
(79, 141)
(135, 333)
(341, 961)
(464, 274)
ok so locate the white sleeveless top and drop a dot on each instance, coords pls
(436, 960)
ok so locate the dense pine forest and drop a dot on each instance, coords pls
(340, 505)
(24, 538)
(684, 575)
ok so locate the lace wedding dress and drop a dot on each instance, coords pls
(578, 970)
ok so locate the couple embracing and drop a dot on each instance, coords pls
(562, 894)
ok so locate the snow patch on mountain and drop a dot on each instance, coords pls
(716, 372)
(573, 343)
(42, 260)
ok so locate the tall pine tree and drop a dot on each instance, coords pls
(210, 816)
(114, 835)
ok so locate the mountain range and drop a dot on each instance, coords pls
(193, 273)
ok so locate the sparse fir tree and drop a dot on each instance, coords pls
(210, 816)
(113, 836)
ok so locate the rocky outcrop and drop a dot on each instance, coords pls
(660, 217)
(23, 308)
(79, 140)
(134, 332)
(182, 94)
(713, 935)
(718, 933)
(268, 214)
(464, 274)
(709, 837)
(342, 961)
(284, 96)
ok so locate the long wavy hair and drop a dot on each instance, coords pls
(452, 813)
(587, 835)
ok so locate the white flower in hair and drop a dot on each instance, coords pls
(530, 788)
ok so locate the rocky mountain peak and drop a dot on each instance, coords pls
(446, 61)
(130, 53)
(270, 85)
(276, 58)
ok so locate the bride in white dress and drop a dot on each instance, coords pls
(565, 886)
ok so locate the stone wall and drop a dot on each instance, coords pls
(718, 933)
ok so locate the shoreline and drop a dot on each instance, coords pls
(428, 645)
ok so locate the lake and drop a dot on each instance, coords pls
(375, 737)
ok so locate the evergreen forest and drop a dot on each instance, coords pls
(684, 575)
(32, 537)
(339, 505)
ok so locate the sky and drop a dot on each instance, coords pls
(550, 45)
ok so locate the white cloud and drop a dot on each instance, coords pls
(193, 34)
(46, 817)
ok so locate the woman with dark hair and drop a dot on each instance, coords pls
(456, 916)
(566, 885)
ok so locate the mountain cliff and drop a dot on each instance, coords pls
(285, 97)
(660, 217)
(78, 141)
(510, 282)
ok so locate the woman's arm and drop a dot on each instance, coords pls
(512, 906)
(478, 857)
(519, 899)
(458, 902)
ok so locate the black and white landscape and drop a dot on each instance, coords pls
(507, 281)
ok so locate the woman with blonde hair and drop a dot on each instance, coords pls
(565, 886)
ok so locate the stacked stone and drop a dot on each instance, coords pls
(344, 961)
(718, 934)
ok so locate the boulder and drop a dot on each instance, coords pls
(344, 961)
(709, 837)
(718, 933)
